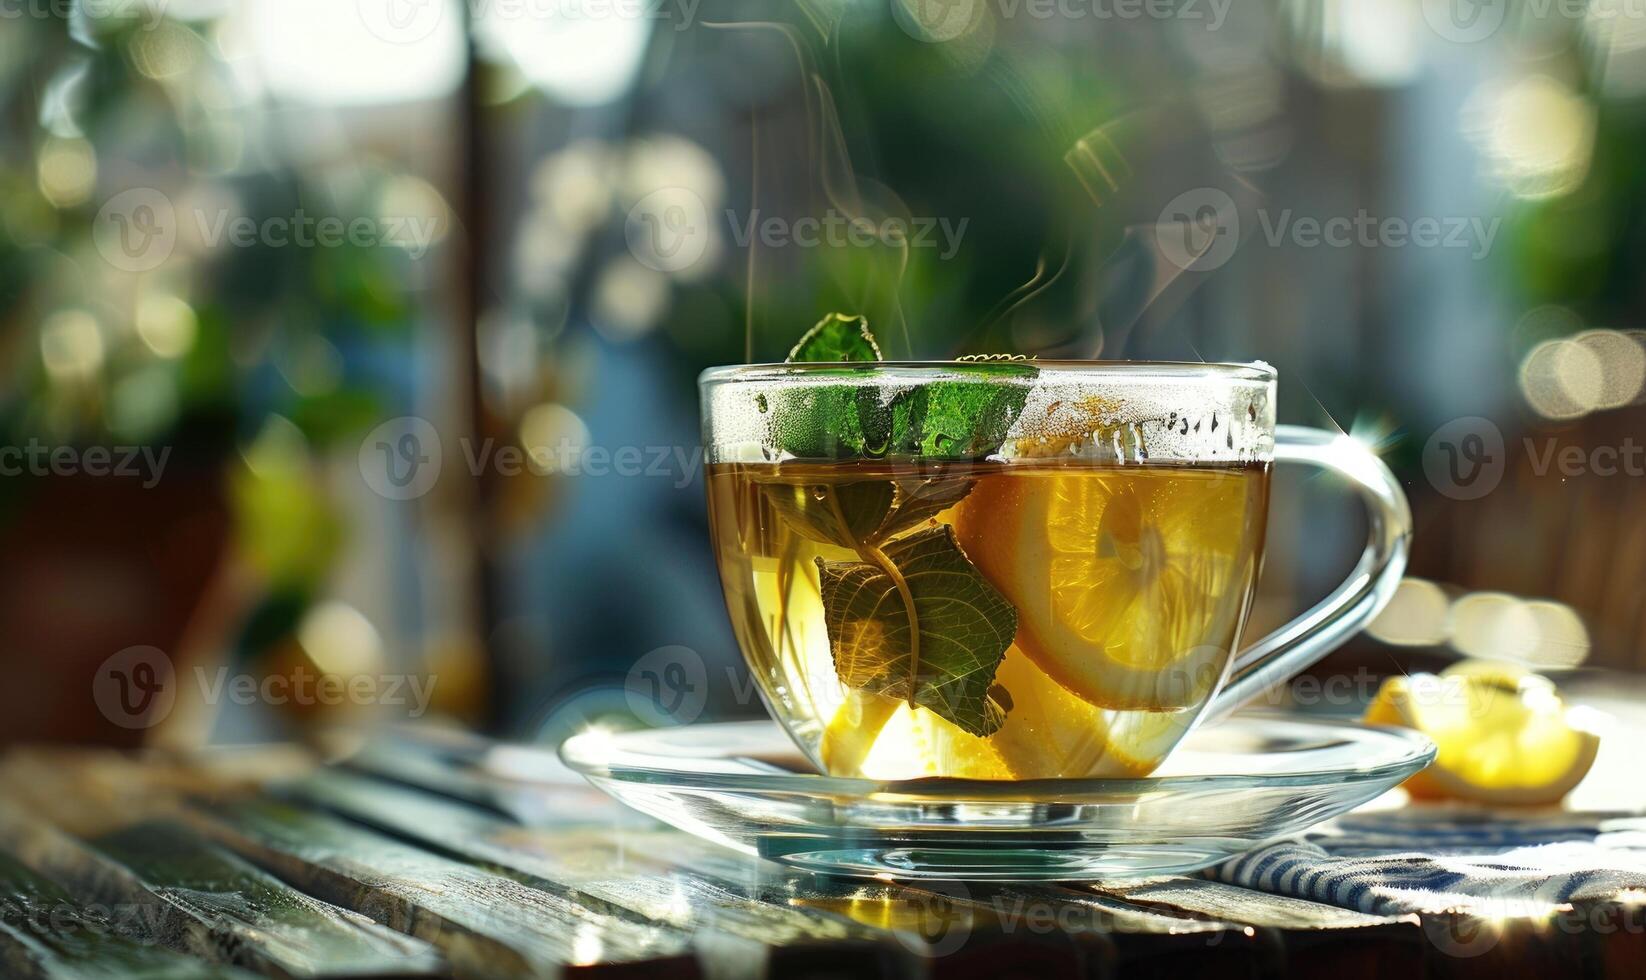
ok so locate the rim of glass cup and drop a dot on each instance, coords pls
(1233, 371)
(1160, 400)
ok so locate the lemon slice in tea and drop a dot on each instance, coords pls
(1051, 733)
(1129, 585)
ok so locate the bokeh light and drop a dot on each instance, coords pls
(71, 346)
(340, 640)
(1541, 633)
(552, 433)
(1562, 639)
(1537, 135)
(1567, 377)
(1622, 366)
(1493, 626)
(629, 299)
(166, 324)
(1415, 616)
(1561, 379)
(68, 171)
(576, 60)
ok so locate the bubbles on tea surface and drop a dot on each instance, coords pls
(1178, 415)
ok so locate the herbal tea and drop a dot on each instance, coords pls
(995, 620)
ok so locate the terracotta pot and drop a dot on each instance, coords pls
(95, 565)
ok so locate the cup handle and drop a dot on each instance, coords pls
(1300, 643)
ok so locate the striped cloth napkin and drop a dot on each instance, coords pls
(1428, 859)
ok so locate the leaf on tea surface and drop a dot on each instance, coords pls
(945, 420)
(816, 422)
(825, 421)
(963, 623)
(965, 419)
(837, 337)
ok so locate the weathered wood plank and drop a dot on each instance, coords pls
(1149, 941)
(635, 897)
(1317, 939)
(736, 932)
(1617, 937)
(629, 869)
(197, 898)
(673, 877)
(487, 924)
(44, 932)
(955, 931)
(474, 771)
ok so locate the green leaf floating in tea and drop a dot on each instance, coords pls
(921, 625)
(913, 618)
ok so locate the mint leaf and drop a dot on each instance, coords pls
(817, 422)
(864, 513)
(825, 421)
(846, 515)
(919, 499)
(945, 655)
(837, 337)
(964, 419)
(943, 420)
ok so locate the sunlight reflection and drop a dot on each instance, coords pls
(324, 52)
(578, 60)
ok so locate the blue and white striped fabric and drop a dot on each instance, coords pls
(1442, 859)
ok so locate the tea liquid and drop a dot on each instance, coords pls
(987, 620)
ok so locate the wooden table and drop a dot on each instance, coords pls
(441, 856)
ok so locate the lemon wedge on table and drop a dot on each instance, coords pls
(1502, 733)
(1128, 589)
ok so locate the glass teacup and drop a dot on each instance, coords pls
(1013, 571)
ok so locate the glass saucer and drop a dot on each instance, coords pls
(1226, 789)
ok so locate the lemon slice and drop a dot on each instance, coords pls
(1129, 586)
(1502, 734)
(946, 749)
(883, 738)
(850, 735)
(1050, 733)
(1140, 741)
